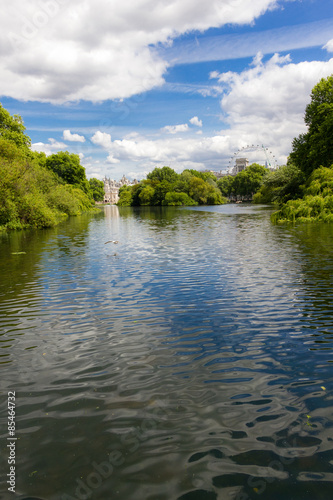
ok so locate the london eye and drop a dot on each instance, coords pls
(255, 153)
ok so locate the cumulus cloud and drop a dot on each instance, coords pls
(266, 102)
(102, 139)
(68, 136)
(52, 146)
(195, 121)
(181, 153)
(57, 51)
(263, 105)
(175, 129)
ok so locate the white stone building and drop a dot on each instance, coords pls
(111, 189)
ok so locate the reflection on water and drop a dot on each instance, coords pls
(190, 360)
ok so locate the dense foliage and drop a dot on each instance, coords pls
(67, 166)
(280, 185)
(307, 188)
(317, 202)
(12, 129)
(164, 186)
(35, 190)
(97, 189)
(315, 148)
(244, 184)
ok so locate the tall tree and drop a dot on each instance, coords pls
(97, 189)
(12, 129)
(67, 166)
(163, 174)
(315, 148)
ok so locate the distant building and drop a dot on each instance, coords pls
(219, 174)
(111, 189)
(241, 164)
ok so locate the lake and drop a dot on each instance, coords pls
(169, 354)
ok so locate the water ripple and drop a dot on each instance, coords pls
(190, 361)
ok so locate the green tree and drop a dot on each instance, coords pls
(225, 185)
(178, 199)
(202, 175)
(182, 185)
(12, 128)
(317, 203)
(281, 185)
(146, 195)
(315, 148)
(68, 167)
(97, 189)
(40, 157)
(248, 181)
(198, 190)
(32, 195)
(204, 193)
(125, 196)
(160, 190)
(10, 151)
(163, 174)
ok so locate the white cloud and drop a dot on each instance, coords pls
(57, 51)
(263, 105)
(50, 147)
(102, 139)
(329, 46)
(178, 151)
(175, 129)
(195, 121)
(112, 160)
(266, 102)
(54, 146)
(68, 136)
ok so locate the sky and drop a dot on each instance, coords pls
(134, 85)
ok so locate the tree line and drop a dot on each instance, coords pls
(303, 188)
(39, 191)
(164, 186)
(36, 190)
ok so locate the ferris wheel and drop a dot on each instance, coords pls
(255, 153)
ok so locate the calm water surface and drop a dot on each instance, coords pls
(192, 360)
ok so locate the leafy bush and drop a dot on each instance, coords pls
(281, 185)
(178, 199)
(317, 204)
(30, 196)
(33, 192)
(61, 198)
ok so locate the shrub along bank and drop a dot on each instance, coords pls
(35, 190)
(304, 187)
(316, 204)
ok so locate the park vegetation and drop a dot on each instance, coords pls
(244, 184)
(40, 191)
(164, 186)
(304, 188)
(35, 190)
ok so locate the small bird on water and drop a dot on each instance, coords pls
(111, 241)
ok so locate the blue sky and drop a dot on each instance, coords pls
(150, 83)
